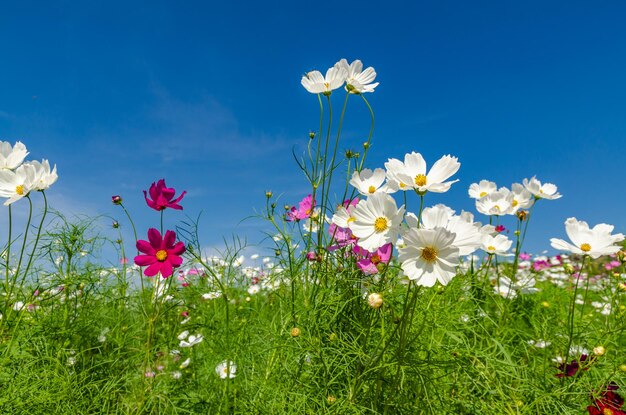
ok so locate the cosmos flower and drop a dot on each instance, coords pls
(541, 191)
(303, 211)
(44, 177)
(11, 157)
(522, 198)
(369, 261)
(481, 189)
(368, 182)
(161, 255)
(594, 242)
(226, 369)
(497, 203)
(412, 173)
(608, 403)
(376, 221)
(315, 83)
(429, 256)
(17, 184)
(496, 245)
(191, 341)
(358, 80)
(161, 197)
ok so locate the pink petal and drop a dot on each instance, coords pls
(169, 239)
(155, 238)
(143, 260)
(145, 247)
(175, 260)
(178, 249)
(166, 269)
(153, 269)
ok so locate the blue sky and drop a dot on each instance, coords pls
(207, 95)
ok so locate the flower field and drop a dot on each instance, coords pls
(368, 296)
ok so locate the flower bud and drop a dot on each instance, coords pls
(375, 300)
(331, 399)
(295, 332)
(117, 200)
(115, 224)
(268, 194)
(599, 350)
(311, 135)
(522, 215)
(568, 268)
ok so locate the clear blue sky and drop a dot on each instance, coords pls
(207, 95)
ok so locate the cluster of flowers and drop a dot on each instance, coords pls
(356, 80)
(608, 403)
(492, 201)
(19, 178)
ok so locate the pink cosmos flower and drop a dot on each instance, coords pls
(524, 256)
(161, 254)
(500, 228)
(162, 196)
(303, 211)
(369, 261)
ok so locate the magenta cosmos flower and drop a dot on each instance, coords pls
(160, 254)
(303, 211)
(161, 196)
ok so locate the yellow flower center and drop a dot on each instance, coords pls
(491, 248)
(515, 203)
(19, 190)
(371, 189)
(350, 219)
(375, 259)
(497, 208)
(607, 411)
(420, 180)
(429, 254)
(161, 255)
(381, 225)
(585, 247)
(482, 194)
(402, 185)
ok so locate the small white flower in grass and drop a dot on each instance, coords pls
(254, 289)
(239, 261)
(211, 296)
(541, 191)
(312, 223)
(368, 182)
(594, 242)
(376, 221)
(358, 80)
(11, 157)
(412, 173)
(540, 344)
(176, 375)
(191, 340)
(429, 256)
(315, 83)
(226, 369)
(496, 245)
(481, 189)
(183, 335)
(185, 363)
(497, 203)
(254, 256)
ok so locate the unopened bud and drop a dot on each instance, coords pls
(621, 256)
(115, 224)
(268, 194)
(375, 300)
(522, 215)
(117, 200)
(568, 268)
(295, 332)
(366, 145)
(599, 350)
(331, 399)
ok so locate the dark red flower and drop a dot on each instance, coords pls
(161, 196)
(570, 369)
(117, 200)
(161, 254)
(609, 403)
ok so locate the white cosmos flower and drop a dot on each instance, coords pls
(508, 289)
(541, 191)
(342, 217)
(594, 242)
(481, 189)
(11, 157)
(412, 174)
(522, 198)
(497, 203)
(376, 221)
(44, 177)
(358, 80)
(226, 369)
(368, 182)
(496, 245)
(315, 83)
(313, 222)
(191, 340)
(429, 256)
(467, 236)
(17, 184)
(183, 335)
